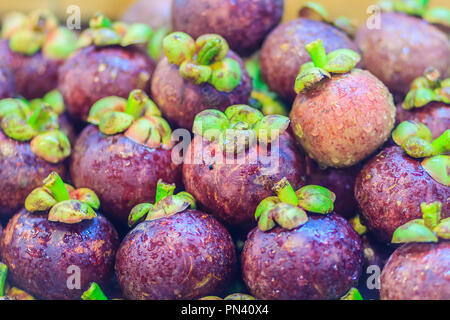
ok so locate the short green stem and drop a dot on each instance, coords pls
(34, 118)
(94, 293)
(163, 190)
(318, 54)
(136, 103)
(57, 187)
(285, 192)
(3, 274)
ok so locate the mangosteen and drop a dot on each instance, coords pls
(341, 114)
(392, 185)
(418, 270)
(198, 75)
(292, 255)
(243, 23)
(398, 45)
(123, 153)
(178, 252)
(31, 147)
(428, 102)
(233, 296)
(6, 291)
(110, 61)
(340, 181)
(7, 83)
(235, 159)
(60, 234)
(155, 13)
(34, 47)
(283, 52)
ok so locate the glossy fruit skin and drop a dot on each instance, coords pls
(121, 172)
(340, 181)
(390, 188)
(320, 260)
(402, 49)
(21, 171)
(343, 120)
(233, 191)
(435, 115)
(173, 258)
(93, 73)
(180, 100)
(283, 52)
(417, 271)
(7, 83)
(243, 23)
(39, 254)
(35, 75)
(155, 13)
(67, 127)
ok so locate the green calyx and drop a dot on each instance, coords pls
(436, 15)
(3, 276)
(323, 66)
(352, 294)
(36, 121)
(426, 89)
(166, 204)
(357, 225)
(102, 32)
(138, 118)
(233, 296)
(416, 140)
(155, 45)
(428, 229)
(288, 208)
(64, 203)
(39, 30)
(204, 60)
(239, 128)
(411, 7)
(94, 292)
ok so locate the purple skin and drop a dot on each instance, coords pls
(32, 243)
(7, 83)
(35, 75)
(184, 256)
(180, 100)
(283, 52)
(232, 192)
(390, 188)
(243, 23)
(340, 181)
(122, 172)
(417, 271)
(94, 73)
(435, 115)
(322, 259)
(155, 13)
(20, 172)
(402, 49)
(66, 126)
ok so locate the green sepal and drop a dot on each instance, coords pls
(431, 213)
(342, 61)
(16, 128)
(26, 41)
(268, 104)
(55, 100)
(352, 294)
(115, 122)
(226, 75)
(14, 106)
(52, 146)
(418, 148)
(211, 48)
(239, 296)
(11, 22)
(87, 196)
(40, 199)
(94, 292)
(357, 225)
(313, 11)
(418, 98)
(102, 37)
(71, 211)
(197, 74)
(106, 105)
(270, 127)
(288, 216)
(138, 213)
(210, 123)
(179, 47)
(442, 230)
(407, 129)
(438, 15)
(99, 20)
(155, 45)
(3, 276)
(345, 24)
(438, 168)
(263, 215)
(413, 231)
(316, 199)
(243, 113)
(411, 7)
(60, 43)
(137, 33)
(310, 78)
(441, 144)
(168, 206)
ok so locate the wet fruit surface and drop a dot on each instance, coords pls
(232, 191)
(185, 256)
(7, 83)
(20, 172)
(94, 73)
(390, 188)
(320, 260)
(41, 255)
(417, 271)
(121, 172)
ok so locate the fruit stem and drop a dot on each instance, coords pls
(57, 187)
(317, 52)
(94, 293)
(285, 192)
(34, 118)
(3, 274)
(136, 103)
(163, 190)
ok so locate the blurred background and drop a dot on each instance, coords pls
(354, 9)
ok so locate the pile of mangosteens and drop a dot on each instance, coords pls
(209, 150)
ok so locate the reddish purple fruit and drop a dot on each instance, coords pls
(7, 83)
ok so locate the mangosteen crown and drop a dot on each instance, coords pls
(37, 121)
(138, 117)
(166, 204)
(416, 140)
(203, 60)
(426, 89)
(428, 229)
(39, 30)
(419, 8)
(94, 292)
(287, 209)
(315, 11)
(64, 203)
(239, 128)
(323, 65)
